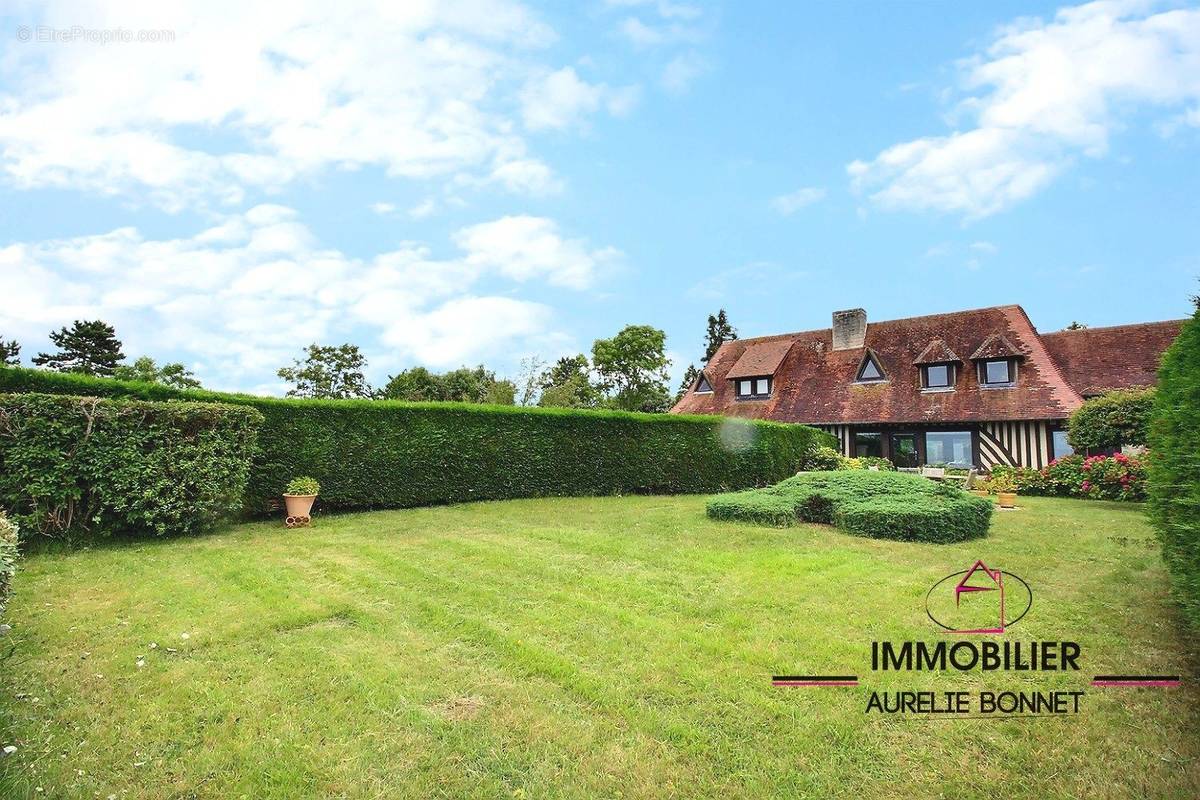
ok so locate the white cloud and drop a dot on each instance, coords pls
(788, 204)
(1040, 96)
(972, 255)
(383, 209)
(527, 176)
(755, 278)
(665, 9)
(561, 99)
(524, 247)
(418, 89)
(245, 296)
(660, 22)
(681, 70)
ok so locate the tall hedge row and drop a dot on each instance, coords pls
(1175, 464)
(390, 454)
(83, 465)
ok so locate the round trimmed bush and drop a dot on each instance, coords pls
(882, 505)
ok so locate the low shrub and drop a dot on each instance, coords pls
(393, 454)
(81, 465)
(823, 458)
(1175, 465)
(8, 557)
(1118, 477)
(1112, 420)
(882, 505)
(871, 463)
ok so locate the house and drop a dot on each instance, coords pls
(968, 388)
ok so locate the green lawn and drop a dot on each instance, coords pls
(612, 647)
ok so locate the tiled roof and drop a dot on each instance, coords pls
(1119, 357)
(759, 358)
(997, 346)
(938, 352)
(815, 384)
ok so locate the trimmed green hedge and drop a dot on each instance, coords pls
(1175, 465)
(8, 557)
(391, 454)
(882, 505)
(82, 465)
(1113, 419)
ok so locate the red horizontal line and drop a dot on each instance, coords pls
(1135, 683)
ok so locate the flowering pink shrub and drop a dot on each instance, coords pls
(1118, 477)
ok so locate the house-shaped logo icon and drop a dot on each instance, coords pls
(980, 594)
(978, 600)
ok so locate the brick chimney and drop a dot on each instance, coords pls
(849, 329)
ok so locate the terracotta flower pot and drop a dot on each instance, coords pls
(1007, 499)
(299, 505)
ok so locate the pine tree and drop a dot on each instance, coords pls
(719, 332)
(10, 353)
(690, 376)
(90, 347)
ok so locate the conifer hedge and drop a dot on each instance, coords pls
(391, 454)
(1175, 464)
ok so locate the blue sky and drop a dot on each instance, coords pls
(482, 181)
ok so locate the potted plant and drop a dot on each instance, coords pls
(1005, 488)
(299, 497)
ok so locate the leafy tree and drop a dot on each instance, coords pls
(719, 332)
(633, 368)
(414, 384)
(529, 380)
(144, 369)
(463, 385)
(1076, 326)
(569, 384)
(10, 353)
(329, 372)
(90, 347)
(501, 393)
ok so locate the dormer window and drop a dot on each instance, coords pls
(996, 359)
(703, 386)
(937, 376)
(997, 372)
(869, 370)
(939, 367)
(756, 388)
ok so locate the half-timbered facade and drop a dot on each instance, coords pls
(969, 388)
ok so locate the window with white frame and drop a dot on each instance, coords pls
(755, 388)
